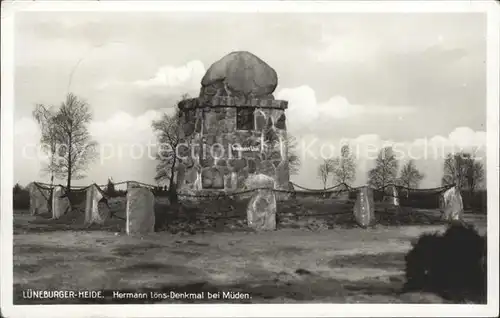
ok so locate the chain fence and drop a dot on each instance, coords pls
(314, 209)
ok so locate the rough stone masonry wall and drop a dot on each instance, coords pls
(205, 125)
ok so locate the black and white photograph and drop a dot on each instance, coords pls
(320, 158)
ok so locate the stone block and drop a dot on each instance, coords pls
(252, 165)
(210, 122)
(94, 212)
(191, 175)
(229, 124)
(238, 164)
(220, 114)
(212, 178)
(188, 128)
(221, 163)
(39, 199)
(60, 202)
(210, 139)
(206, 160)
(453, 205)
(364, 208)
(261, 211)
(140, 211)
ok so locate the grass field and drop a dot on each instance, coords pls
(338, 265)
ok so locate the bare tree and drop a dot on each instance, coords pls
(167, 129)
(293, 158)
(45, 116)
(344, 167)
(324, 171)
(273, 143)
(386, 169)
(75, 147)
(410, 176)
(475, 175)
(463, 170)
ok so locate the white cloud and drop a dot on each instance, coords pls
(342, 48)
(305, 110)
(167, 79)
(171, 76)
(123, 124)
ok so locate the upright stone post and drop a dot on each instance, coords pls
(92, 213)
(39, 199)
(364, 208)
(261, 211)
(453, 207)
(140, 210)
(60, 204)
(395, 195)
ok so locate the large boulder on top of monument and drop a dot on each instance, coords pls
(239, 74)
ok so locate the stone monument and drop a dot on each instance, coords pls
(234, 128)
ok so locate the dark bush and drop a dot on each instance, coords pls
(110, 189)
(21, 198)
(78, 197)
(451, 265)
(420, 199)
(120, 193)
(476, 201)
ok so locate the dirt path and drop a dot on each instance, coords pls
(339, 265)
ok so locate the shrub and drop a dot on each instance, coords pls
(451, 265)
(21, 198)
(476, 201)
(110, 189)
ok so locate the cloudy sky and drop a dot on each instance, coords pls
(417, 80)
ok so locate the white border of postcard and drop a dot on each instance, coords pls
(9, 9)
